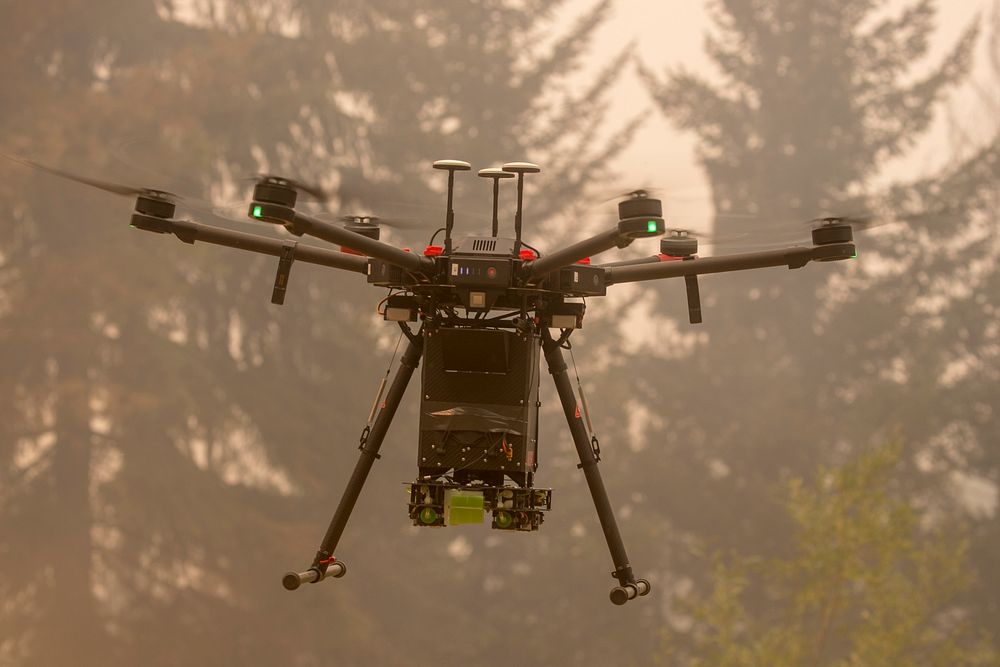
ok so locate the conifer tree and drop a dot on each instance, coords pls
(811, 100)
(866, 583)
(167, 422)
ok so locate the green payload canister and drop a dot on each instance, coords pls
(462, 507)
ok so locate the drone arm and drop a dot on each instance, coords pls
(619, 236)
(653, 259)
(794, 258)
(190, 231)
(567, 256)
(323, 230)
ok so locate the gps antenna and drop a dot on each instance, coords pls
(496, 173)
(520, 168)
(452, 166)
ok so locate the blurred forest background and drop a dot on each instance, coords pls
(808, 478)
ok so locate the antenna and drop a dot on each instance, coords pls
(452, 166)
(496, 173)
(520, 168)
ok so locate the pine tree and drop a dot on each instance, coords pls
(167, 422)
(866, 583)
(942, 296)
(812, 99)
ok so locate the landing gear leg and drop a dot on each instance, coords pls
(324, 564)
(628, 587)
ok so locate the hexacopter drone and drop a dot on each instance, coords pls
(486, 308)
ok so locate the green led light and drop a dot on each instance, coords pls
(428, 515)
(651, 226)
(504, 519)
(257, 211)
(855, 255)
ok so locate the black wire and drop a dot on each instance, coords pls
(378, 308)
(434, 235)
(513, 313)
(537, 252)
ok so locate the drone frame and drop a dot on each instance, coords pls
(273, 204)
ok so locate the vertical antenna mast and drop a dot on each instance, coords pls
(452, 166)
(520, 168)
(496, 173)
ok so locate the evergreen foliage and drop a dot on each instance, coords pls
(171, 436)
(814, 97)
(866, 582)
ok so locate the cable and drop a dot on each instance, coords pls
(563, 340)
(434, 235)
(381, 389)
(537, 252)
(378, 308)
(594, 442)
(496, 318)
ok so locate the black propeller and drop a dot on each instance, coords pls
(314, 191)
(856, 221)
(683, 241)
(149, 201)
(106, 186)
(379, 221)
(635, 193)
(161, 203)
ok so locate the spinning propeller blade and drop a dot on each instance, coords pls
(315, 191)
(709, 238)
(202, 207)
(106, 186)
(856, 221)
(643, 191)
(379, 221)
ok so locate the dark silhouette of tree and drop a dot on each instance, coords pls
(939, 297)
(57, 281)
(811, 100)
(814, 97)
(168, 438)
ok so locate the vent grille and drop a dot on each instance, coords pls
(484, 245)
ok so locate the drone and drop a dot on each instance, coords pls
(486, 311)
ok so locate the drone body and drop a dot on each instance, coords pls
(486, 309)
